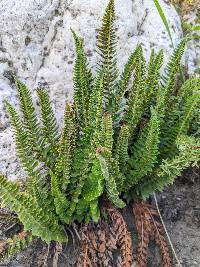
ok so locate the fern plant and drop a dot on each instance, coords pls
(124, 137)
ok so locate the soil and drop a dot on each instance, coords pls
(180, 207)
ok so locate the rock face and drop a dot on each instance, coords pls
(36, 45)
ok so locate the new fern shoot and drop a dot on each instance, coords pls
(124, 137)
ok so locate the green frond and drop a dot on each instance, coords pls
(171, 71)
(192, 84)
(96, 109)
(24, 150)
(50, 127)
(122, 85)
(15, 244)
(94, 210)
(82, 83)
(137, 96)
(80, 170)
(60, 201)
(153, 75)
(66, 147)
(30, 121)
(40, 221)
(189, 154)
(145, 151)
(105, 159)
(181, 123)
(107, 131)
(106, 48)
(27, 157)
(82, 211)
(117, 174)
(94, 184)
(121, 151)
(189, 112)
(39, 188)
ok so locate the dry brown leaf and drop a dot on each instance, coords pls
(148, 226)
(123, 237)
(97, 246)
(144, 229)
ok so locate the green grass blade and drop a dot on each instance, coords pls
(164, 19)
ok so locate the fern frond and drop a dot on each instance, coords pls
(189, 154)
(145, 151)
(189, 112)
(171, 73)
(181, 125)
(94, 184)
(60, 201)
(106, 48)
(50, 127)
(94, 210)
(80, 170)
(104, 157)
(153, 75)
(66, 147)
(135, 102)
(125, 78)
(27, 157)
(107, 131)
(82, 83)
(121, 151)
(30, 121)
(24, 150)
(40, 221)
(96, 109)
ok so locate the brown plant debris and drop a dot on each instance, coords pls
(97, 244)
(122, 235)
(149, 227)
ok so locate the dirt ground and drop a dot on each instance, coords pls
(180, 208)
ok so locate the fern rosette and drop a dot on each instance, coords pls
(124, 137)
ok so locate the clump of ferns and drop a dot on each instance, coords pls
(124, 137)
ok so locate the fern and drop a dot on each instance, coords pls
(106, 47)
(105, 160)
(30, 118)
(135, 101)
(50, 128)
(145, 151)
(107, 130)
(169, 169)
(123, 138)
(122, 84)
(66, 147)
(82, 83)
(121, 151)
(60, 201)
(38, 219)
(172, 68)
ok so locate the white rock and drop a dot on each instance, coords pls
(36, 45)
